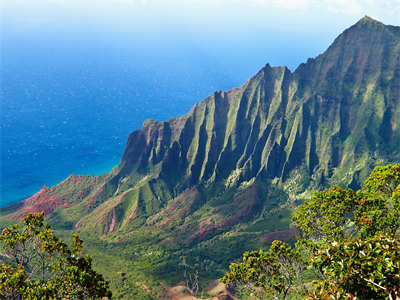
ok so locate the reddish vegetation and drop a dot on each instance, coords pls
(104, 212)
(180, 208)
(68, 192)
(44, 200)
(48, 199)
(78, 180)
(103, 217)
(133, 213)
(32, 200)
(90, 202)
(113, 224)
(242, 205)
(282, 235)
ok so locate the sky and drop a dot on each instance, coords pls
(273, 27)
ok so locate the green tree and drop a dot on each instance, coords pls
(357, 245)
(39, 265)
(350, 238)
(327, 215)
(338, 214)
(359, 269)
(267, 275)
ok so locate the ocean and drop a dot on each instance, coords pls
(69, 102)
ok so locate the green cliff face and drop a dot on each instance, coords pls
(329, 122)
(236, 165)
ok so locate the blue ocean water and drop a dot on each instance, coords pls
(69, 103)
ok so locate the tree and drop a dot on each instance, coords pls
(351, 239)
(268, 274)
(326, 215)
(192, 282)
(354, 238)
(37, 264)
(357, 268)
(337, 214)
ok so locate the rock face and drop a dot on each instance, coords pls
(239, 154)
(333, 117)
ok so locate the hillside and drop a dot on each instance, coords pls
(225, 178)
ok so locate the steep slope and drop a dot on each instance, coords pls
(328, 122)
(325, 115)
(232, 169)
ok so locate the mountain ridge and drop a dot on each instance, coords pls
(240, 159)
(263, 127)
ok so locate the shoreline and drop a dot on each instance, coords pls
(92, 170)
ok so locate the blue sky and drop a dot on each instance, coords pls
(283, 31)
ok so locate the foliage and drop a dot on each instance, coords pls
(267, 274)
(366, 269)
(325, 215)
(350, 237)
(41, 265)
(365, 263)
(378, 207)
(373, 210)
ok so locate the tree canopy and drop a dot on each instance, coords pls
(267, 274)
(349, 238)
(38, 265)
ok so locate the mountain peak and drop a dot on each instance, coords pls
(368, 22)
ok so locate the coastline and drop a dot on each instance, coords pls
(14, 196)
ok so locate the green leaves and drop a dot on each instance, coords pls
(324, 216)
(365, 263)
(383, 180)
(350, 238)
(11, 280)
(270, 273)
(366, 269)
(378, 206)
(41, 265)
(328, 215)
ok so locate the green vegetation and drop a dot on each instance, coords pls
(350, 239)
(228, 176)
(40, 265)
(267, 275)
